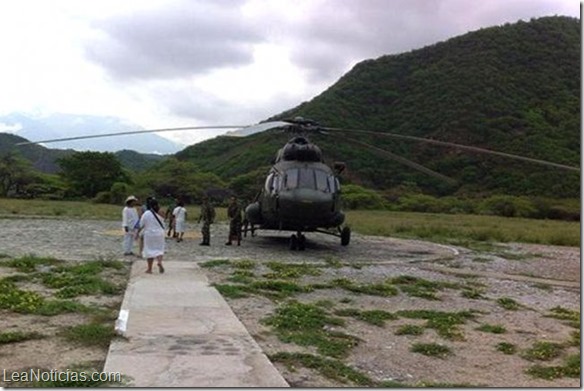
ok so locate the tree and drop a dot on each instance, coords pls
(16, 173)
(88, 173)
(180, 179)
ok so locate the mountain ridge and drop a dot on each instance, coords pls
(61, 125)
(514, 88)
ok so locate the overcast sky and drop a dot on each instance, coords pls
(170, 63)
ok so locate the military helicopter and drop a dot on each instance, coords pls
(301, 193)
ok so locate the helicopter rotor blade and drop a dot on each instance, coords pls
(134, 132)
(459, 146)
(402, 160)
(257, 128)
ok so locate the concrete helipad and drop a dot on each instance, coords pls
(180, 332)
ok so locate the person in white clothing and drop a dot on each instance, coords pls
(130, 224)
(180, 216)
(151, 225)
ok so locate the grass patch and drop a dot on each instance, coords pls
(277, 289)
(384, 289)
(28, 302)
(325, 303)
(508, 303)
(244, 264)
(306, 325)
(215, 263)
(571, 368)
(333, 262)
(574, 338)
(419, 287)
(286, 271)
(514, 256)
(572, 317)
(472, 293)
(492, 328)
(92, 334)
(543, 351)
(76, 280)
(463, 229)
(329, 368)
(111, 264)
(241, 276)
(231, 291)
(506, 348)
(18, 300)
(445, 323)
(410, 329)
(18, 336)
(30, 263)
(374, 317)
(431, 349)
(18, 278)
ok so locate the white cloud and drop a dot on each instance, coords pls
(165, 63)
(10, 128)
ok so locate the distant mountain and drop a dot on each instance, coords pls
(42, 159)
(45, 159)
(68, 125)
(138, 161)
(513, 88)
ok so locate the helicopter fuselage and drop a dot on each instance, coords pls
(298, 196)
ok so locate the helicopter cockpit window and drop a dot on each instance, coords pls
(291, 180)
(333, 184)
(276, 184)
(306, 179)
(321, 181)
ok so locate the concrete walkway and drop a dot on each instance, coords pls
(181, 333)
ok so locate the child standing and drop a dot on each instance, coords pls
(180, 216)
(129, 223)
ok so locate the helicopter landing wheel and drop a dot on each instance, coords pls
(345, 236)
(301, 242)
(293, 242)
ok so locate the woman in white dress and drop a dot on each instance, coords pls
(151, 224)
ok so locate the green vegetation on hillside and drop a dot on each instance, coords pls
(514, 88)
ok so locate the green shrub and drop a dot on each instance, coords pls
(357, 197)
(507, 206)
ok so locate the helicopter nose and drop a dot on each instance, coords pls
(305, 204)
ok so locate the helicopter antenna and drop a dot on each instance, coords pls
(459, 146)
(132, 133)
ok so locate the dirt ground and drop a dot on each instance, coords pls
(537, 277)
(53, 350)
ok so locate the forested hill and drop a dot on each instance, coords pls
(514, 88)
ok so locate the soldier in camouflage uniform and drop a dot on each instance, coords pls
(208, 216)
(234, 215)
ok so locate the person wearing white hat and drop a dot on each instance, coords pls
(130, 222)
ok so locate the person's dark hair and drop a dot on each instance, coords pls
(152, 204)
(149, 201)
(180, 203)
